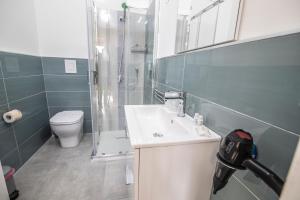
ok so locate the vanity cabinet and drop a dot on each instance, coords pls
(179, 172)
(174, 158)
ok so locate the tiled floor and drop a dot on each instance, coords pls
(54, 173)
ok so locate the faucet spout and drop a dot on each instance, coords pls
(180, 110)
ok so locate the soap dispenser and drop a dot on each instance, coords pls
(198, 119)
(199, 126)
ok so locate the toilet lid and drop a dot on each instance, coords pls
(67, 117)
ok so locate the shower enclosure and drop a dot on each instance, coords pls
(117, 70)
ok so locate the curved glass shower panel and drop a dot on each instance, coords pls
(107, 46)
(120, 57)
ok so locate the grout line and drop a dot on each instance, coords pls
(9, 153)
(27, 97)
(69, 75)
(45, 88)
(36, 132)
(69, 106)
(24, 76)
(267, 123)
(69, 91)
(12, 126)
(65, 58)
(168, 86)
(184, 60)
(245, 186)
(35, 114)
(3, 104)
(31, 157)
(19, 53)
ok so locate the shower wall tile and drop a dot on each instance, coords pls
(30, 106)
(3, 93)
(66, 83)
(30, 146)
(147, 94)
(254, 86)
(67, 91)
(233, 190)
(12, 159)
(22, 83)
(68, 98)
(3, 109)
(170, 71)
(14, 65)
(7, 142)
(275, 146)
(54, 65)
(259, 78)
(86, 110)
(29, 127)
(87, 126)
(18, 88)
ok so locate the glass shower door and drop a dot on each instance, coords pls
(120, 57)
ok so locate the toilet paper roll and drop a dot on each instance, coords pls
(12, 116)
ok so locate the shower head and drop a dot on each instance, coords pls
(141, 4)
(124, 5)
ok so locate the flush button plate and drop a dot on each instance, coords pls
(70, 66)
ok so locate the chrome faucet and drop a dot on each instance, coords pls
(180, 109)
(180, 97)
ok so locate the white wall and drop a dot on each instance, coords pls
(265, 17)
(18, 31)
(62, 28)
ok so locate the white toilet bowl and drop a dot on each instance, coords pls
(68, 126)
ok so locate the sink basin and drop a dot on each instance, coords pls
(158, 125)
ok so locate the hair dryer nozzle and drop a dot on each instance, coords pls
(222, 174)
(235, 153)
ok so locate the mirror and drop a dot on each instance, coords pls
(202, 23)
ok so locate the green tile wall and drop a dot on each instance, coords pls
(39, 88)
(22, 88)
(67, 91)
(254, 86)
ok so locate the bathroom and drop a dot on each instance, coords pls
(149, 99)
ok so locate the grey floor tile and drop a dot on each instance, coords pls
(54, 173)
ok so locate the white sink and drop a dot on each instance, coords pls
(158, 125)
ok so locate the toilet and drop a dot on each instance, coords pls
(68, 126)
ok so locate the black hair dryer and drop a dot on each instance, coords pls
(235, 153)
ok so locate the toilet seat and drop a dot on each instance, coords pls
(66, 117)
